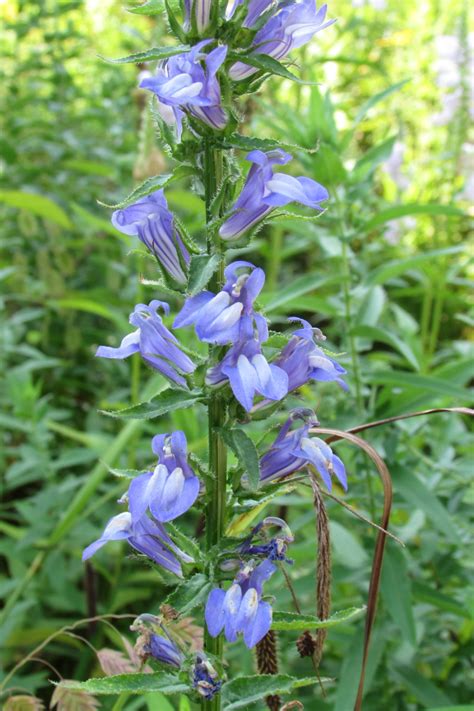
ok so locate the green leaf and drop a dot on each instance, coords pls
(394, 213)
(36, 204)
(246, 690)
(174, 24)
(298, 287)
(292, 621)
(246, 452)
(425, 593)
(165, 402)
(266, 64)
(451, 708)
(126, 473)
(131, 683)
(150, 55)
(417, 495)
(376, 99)
(426, 383)
(201, 269)
(383, 336)
(372, 158)
(151, 184)
(425, 692)
(396, 591)
(152, 7)
(189, 594)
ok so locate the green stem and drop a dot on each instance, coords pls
(216, 497)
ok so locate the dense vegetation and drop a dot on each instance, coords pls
(387, 264)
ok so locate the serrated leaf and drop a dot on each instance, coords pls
(292, 621)
(126, 473)
(156, 53)
(67, 698)
(165, 402)
(23, 703)
(246, 690)
(189, 594)
(201, 269)
(246, 452)
(267, 64)
(130, 684)
(157, 182)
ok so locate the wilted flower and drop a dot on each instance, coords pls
(248, 372)
(164, 650)
(172, 488)
(187, 83)
(205, 678)
(293, 450)
(155, 343)
(273, 549)
(220, 318)
(146, 536)
(155, 641)
(264, 190)
(303, 360)
(291, 27)
(151, 220)
(241, 609)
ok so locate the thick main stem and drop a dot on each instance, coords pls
(216, 495)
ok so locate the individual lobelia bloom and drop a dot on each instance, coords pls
(164, 650)
(152, 222)
(187, 83)
(220, 318)
(255, 9)
(303, 360)
(248, 373)
(264, 190)
(172, 488)
(146, 536)
(156, 344)
(202, 12)
(291, 27)
(205, 678)
(241, 609)
(273, 549)
(294, 450)
(155, 641)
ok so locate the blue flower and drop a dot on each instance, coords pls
(205, 678)
(293, 450)
(255, 9)
(241, 609)
(291, 27)
(220, 318)
(155, 343)
(264, 190)
(146, 536)
(172, 488)
(151, 220)
(246, 369)
(303, 360)
(202, 13)
(164, 650)
(187, 83)
(276, 547)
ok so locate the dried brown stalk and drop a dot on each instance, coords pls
(267, 663)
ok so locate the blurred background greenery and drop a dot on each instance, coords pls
(384, 272)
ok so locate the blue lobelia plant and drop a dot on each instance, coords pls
(226, 52)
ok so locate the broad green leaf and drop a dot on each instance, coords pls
(425, 593)
(249, 143)
(150, 55)
(158, 702)
(148, 186)
(417, 495)
(394, 213)
(396, 591)
(371, 307)
(347, 549)
(37, 204)
(292, 621)
(126, 473)
(165, 402)
(246, 452)
(201, 269)
(245, 690)
(425, 692)
(383, 336)
(426, 383)
(131, 683)
(189, 594)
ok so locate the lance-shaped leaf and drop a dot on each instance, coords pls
(267, 64)
(164, 402)
(152, 7)
(201, 269)
(189, 594)
(155, 53)
(239, 693)
(246, 452)
(283, 621)
(130, 684)
(151, 184)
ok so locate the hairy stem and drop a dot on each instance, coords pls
(216, 501)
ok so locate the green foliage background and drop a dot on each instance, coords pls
(73, 132)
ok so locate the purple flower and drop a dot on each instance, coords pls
(246, 369)
(187, 83)
(241, 609)
(155, 343)
(276, 547)
(255, 9)
(172, 488)
(202, 12)
(292, 26)
(221, 318)
(294, 450)
(264, 190)
(153, 223)
(303, 360)
(164, 650)
(205, 678)
(145, 536)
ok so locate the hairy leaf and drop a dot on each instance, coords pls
(148, 56)
(246, 690)
(201, 269)
(167, 401)
(246, 452)
(130, 683)
(293, 621)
